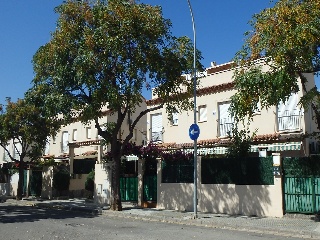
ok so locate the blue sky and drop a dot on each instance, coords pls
(26, 25)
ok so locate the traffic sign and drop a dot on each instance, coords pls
(194, 131)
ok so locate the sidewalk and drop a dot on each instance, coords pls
(300, 226)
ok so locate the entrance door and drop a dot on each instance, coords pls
(150, 181)
(36, 183)
(129, 189)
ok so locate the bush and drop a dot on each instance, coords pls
(61, 180)
(89, 184)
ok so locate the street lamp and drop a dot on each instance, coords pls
(195, 198)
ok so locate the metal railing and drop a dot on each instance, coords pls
(156, 136)
(289, 121)
(225, 127)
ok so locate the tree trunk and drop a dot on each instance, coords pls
(116, 196)
(115, 184)
(317, 114)
(21, 180)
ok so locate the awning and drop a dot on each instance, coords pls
(278, 147)
(274, 147)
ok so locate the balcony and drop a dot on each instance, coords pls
(289, 121)
(156, 136)
(225, 127)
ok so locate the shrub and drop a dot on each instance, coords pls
(89, 184)
(61, 180)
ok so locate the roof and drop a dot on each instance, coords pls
(265, 138)
(200, 92)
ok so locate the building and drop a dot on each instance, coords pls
(278, 129)
(279, 133)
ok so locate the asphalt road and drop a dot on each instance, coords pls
(24, 222)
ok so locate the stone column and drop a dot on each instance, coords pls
(159, 180)
(100, 152)
(141, 167)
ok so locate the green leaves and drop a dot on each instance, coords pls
(287, 36)
(106, 53)
(25, 125)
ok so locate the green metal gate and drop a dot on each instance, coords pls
(129, 188)
(150, 188)
(302, 194)
(36, 183)
(25, 182)
(150, 181)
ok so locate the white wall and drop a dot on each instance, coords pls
(102, 184)
(14, 184)
(250, 200)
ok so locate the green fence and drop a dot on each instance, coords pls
(242, 171)
(177, 171)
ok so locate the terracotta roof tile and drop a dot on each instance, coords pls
(264, 138)
(200, 92)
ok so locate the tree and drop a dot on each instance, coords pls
(23, 124)
(107, 53)
(241, 141)
(285, 37)
(89, 183)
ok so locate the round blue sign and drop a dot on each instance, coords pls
(194, 131)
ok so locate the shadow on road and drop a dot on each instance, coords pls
(14, 214)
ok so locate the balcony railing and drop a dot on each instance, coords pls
(156, 136)
(289, 121)
(225, 127)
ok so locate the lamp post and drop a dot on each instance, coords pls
(195, 198)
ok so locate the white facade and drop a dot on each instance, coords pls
(278, 126)
(79, 132)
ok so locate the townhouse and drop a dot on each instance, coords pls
(278, 129)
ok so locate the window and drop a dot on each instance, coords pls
(17, 150)
(65, 142)
(257, 110)
(47, 147)
(103, 128)
(202, 111)
(225, 120)
(175, 119)
(88, 132)
(289, 114)
(74, 134)
(6, 154)
(156, 127)
(134, 132)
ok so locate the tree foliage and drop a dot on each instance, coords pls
(105, 54)
(241, 141)
(89, 183)
(285, 37)
(24, 126)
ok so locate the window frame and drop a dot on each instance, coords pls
(205, 118)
